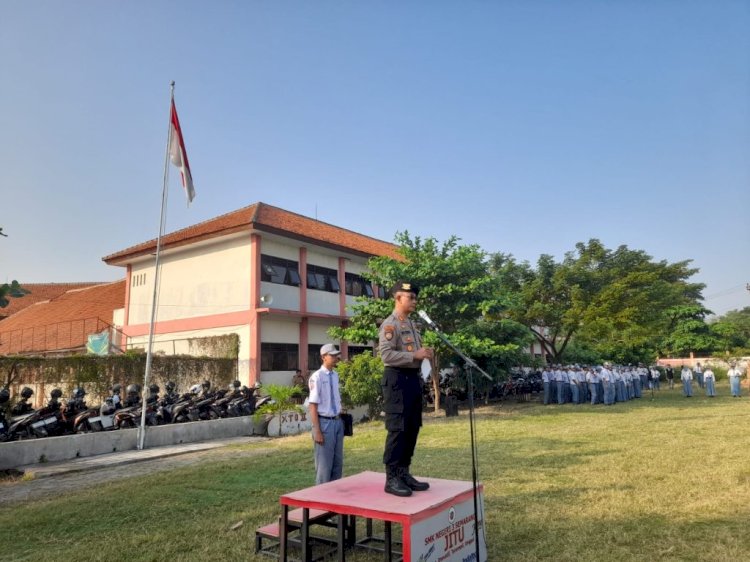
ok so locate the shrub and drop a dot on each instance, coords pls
(360, 382)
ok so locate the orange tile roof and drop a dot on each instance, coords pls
(63, 322)
(40, 292)
(263, 217)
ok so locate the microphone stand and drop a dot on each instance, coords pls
(469, 365)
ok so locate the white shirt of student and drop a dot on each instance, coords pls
(686, 374)
(734, 372)
(320, 392)
(708, 375)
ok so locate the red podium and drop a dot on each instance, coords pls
(437, 525)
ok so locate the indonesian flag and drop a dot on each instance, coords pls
(178, 155)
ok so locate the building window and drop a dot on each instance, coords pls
(279, 356)
(279, 270)
(354, 350)
(357, 286)
(313, 357)
(322, 279)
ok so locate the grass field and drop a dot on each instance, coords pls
(667, 479)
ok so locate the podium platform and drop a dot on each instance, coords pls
(437, 525)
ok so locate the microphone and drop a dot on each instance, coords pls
(423, 315)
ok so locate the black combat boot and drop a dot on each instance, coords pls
(393, 484)
(410, 481)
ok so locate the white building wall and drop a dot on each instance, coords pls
(356, 267)
(273, 330)
(322, 302)
(315, 257)
(199, 281)
(317, 334)
(276, 247)
(285, 297)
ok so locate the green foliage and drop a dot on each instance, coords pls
(360, 382)
(459, 294)
(732, 332)
(11, 290)
(581, 353)
(687, 331)
(97, 373)
(227, 345)
(282, 400)
(617, 303)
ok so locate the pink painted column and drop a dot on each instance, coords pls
(342, 304)
(126, 315)
(255, 250)
(304, 336)
(304, 342)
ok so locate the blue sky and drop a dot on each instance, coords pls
(521, 126)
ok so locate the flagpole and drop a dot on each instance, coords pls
(149, 352)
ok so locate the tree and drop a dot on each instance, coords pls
(732, 332)
(11, 290)
(614, 303)
(360, 382)
(457, 292)
(687, 331)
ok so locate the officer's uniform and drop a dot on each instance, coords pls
(402, 392)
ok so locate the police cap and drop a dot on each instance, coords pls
(405, 287)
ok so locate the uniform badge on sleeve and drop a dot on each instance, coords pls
(409, 348)
(388, 332)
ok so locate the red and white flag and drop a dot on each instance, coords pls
(178, 155)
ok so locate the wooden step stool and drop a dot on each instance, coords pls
(270, 534)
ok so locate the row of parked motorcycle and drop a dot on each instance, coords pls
(116, 412)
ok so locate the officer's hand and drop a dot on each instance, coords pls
(423, 353)
(318, 436)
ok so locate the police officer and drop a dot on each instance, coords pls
(401, 350)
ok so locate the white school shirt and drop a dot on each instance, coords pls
(320, 392)
(708, 374)
(686, 374)
(735, 372)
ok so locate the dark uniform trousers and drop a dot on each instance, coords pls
(402, 397)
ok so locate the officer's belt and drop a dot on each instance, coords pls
(409, 371)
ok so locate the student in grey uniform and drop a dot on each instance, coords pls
(561, 380)
(734, 374)
(402, 353)
(698, 374)
(655, 376)
(545, 383)
(583, 386)
(710, 380)
(686, 376)
(572, 384)
(608, 379)
(327, 427)
(593, 380)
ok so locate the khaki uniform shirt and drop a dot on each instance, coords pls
(399, 339)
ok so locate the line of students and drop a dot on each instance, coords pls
(601, 384)
(605, 384)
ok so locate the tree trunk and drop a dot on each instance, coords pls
(435, 379)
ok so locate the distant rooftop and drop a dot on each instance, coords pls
(41, 292)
